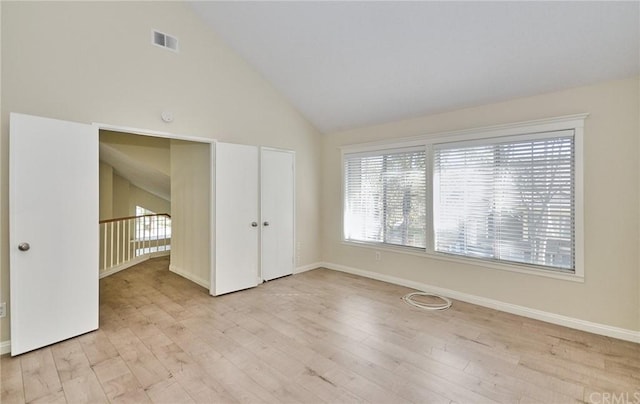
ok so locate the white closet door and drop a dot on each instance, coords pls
(237, 228)
(277, 202)
(53, 235)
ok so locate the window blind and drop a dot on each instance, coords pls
(508, 199)
(385, 197)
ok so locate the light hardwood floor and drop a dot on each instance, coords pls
(320, 336)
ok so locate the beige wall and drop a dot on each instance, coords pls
(140, 197)
(190, 210)
(610, 293)
(148, 150)
(106, 191)
(121, 196)
(103, 68)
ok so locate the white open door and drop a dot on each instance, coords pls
(277, 204)
(53, 235)
(236, 218)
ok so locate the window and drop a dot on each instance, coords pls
(508, 196)
(506, 199)
(385, 197)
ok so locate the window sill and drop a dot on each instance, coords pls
(523, 269)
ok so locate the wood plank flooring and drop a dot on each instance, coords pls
(321, 336)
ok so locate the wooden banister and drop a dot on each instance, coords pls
(124, 241)
(133, 217)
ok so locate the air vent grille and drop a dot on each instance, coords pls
(165, 41)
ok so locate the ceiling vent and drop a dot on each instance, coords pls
(165, 41)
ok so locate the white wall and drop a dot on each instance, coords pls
(95, 63)
(610, 294)
(191, 210)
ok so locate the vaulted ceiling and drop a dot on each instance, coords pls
(143, 160)
(350, 64)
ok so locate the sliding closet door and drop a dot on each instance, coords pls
(277, 202)
(237, 227)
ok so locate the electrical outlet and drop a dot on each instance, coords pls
(378, 255)
(3, 309)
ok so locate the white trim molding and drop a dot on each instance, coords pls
(553, 318)
(178, 271)
(308, 267)
(507, 129)
(123, 266)
(135, 261)
(149, 132)
(5, 347)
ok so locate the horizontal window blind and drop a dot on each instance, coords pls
(507, 199)
(385, 197)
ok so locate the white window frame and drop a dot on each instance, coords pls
(568, 122)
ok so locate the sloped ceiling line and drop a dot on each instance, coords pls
(137, 173)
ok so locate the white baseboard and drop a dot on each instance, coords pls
(308, 267)
(5, 347)
(135, 261)
(596, 328)
(571, 322)
(124, 266)
(159, 254)
(202, 282)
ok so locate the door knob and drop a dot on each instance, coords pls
(24, 246)
(254, 224)
(265, 224)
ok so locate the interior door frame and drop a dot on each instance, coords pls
(188, 138)
(294, 239)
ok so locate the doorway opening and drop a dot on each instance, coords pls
(155, 198)
(53, 276)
